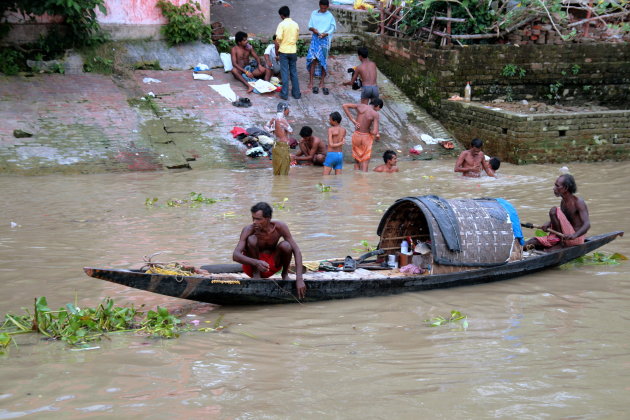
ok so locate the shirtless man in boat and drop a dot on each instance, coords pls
(571, 218)
(241, 54)
(367, 72)
(366, 124)
(470, 162)
(260, 251)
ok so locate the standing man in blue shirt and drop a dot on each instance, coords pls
(287, 35)
(322, 24)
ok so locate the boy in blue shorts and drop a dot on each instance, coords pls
(336, 139)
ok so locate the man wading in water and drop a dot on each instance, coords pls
(281, 158)
(260, 252)
(366, 125)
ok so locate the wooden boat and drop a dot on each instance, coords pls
(487, 253)
(241, 290)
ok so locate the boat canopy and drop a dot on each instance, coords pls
(460, 232)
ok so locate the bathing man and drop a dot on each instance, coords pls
(571, 218)
(260, 251)
(366, 124)
(367, 72)
(471, 161)
(312, 148)
(336, 139)
(390, 158)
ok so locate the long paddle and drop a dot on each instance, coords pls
(532, 226)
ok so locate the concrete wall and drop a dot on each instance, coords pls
(540, 138)
(125, 19)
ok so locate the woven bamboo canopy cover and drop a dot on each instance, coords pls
(461, 232)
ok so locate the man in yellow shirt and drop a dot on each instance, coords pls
(287, 35)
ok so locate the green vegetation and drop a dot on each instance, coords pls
(11, 61)
(598, 258)
(324, 188)
(78, 326)
(456, 318)
(147, 65)
(146, 102)
(511, 70)
(195, 200)
(185, 23)
(281, 205)
(493, 19)
(79, 18)
(363, 247)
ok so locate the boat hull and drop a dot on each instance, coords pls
(246, 291)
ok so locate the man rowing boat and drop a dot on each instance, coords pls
(571, 218)
(260, 251)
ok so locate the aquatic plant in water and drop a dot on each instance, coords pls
(195, 200)
(597, 258)
(77, 326)
(456, 318)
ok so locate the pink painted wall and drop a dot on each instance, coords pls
(141, 12)
(129, 12)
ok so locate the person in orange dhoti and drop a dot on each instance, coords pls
(571, 218)
(366, 124)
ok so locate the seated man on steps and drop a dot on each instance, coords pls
(262, 253)
(242, 52)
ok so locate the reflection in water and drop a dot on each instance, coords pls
(547, 345)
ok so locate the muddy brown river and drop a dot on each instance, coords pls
(549, 345)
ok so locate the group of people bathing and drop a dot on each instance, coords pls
(281, 57)
(266, 246)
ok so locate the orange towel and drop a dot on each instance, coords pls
(566, 228)
(362, 146)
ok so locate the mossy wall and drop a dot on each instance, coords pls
(540, 138)
(568, 73)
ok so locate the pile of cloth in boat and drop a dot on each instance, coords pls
(258, 141)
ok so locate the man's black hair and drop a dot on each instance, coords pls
(266, 209)
(324, 3)
(363, 52)
(388, 155)
(284, 11)
(335, 116)
(240, 35)
(569, 183)
(476, 143)
(306, 131)
(274, 38)
(495, 163)
(377, 102)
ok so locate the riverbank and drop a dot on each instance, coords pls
(87, 123)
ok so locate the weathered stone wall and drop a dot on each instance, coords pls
(540, 138)
(569, 72)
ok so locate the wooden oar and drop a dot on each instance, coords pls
(532, 226)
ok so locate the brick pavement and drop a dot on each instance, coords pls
(84, 123)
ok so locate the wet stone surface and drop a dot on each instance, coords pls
(92, 123)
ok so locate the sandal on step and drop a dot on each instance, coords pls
(325, 91)
(316, 90)
(349, 264)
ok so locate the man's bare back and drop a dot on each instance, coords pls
(367, 72)
(367, 120)
(336, 138)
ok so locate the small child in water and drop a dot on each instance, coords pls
(336, 139)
